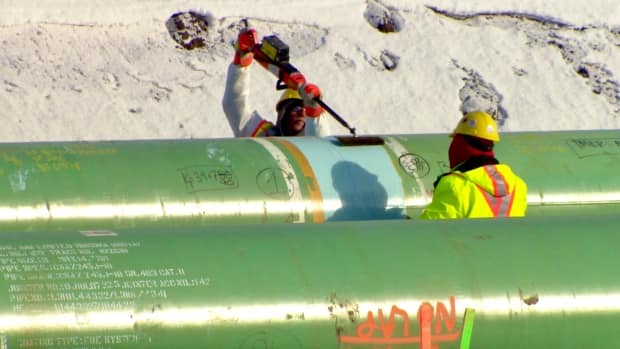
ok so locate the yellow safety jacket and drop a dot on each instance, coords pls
(484, 192)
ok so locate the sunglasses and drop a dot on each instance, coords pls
(296, 110)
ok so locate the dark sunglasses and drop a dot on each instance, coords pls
(296, 109)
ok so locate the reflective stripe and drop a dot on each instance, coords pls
(262, 128)
(500, 202)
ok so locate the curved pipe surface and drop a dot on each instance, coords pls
(534, 282)
(269, 180)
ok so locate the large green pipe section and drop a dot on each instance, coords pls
(535, 282)
(268, 180)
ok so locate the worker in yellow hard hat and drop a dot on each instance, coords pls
(291, 118)
(298, 113)
(477, 185)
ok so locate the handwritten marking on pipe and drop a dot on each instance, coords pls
(297, 214)
(198, 178)
(414, 165)
(435, 325)
(586, 147)
(411, 166)
(425, 320)
(272, 182)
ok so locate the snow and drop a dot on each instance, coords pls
(109, 69)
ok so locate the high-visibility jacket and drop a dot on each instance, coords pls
(484, 192)
(245, 122)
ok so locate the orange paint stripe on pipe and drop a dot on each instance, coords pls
(314, 191)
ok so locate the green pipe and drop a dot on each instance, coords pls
(125, 184)
(536, 282)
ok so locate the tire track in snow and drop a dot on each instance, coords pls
(573, 42)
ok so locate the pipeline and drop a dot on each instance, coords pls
(125, 184)
(535, 282)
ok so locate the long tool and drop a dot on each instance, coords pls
(335, 115)
(273, 54)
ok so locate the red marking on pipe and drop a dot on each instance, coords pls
(379, 331)
(425, 320)
(441, 313)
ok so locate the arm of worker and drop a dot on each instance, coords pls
(235, 101)
(242, 120)
(316, 124)
(446, 202)
(317, 127)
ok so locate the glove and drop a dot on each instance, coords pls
(246, 40)
(294, 80)
(309, 92)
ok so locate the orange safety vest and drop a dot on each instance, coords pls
(501, 199)
(263, 129)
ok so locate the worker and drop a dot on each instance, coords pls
(477, 185)
(298, 113)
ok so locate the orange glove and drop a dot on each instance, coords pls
(246, 40)
(310, 93)
(294, 80)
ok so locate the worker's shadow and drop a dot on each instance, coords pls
(361, 194)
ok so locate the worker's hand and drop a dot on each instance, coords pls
(310, 93)
(246, 40)
(293, 80)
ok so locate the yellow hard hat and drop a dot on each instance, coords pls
(477, 124)
(286, 95)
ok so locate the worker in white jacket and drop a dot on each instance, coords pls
(297, 112)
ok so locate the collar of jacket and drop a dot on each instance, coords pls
(475, 162)
(469, 164)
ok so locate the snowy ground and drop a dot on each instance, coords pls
(110, 69)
